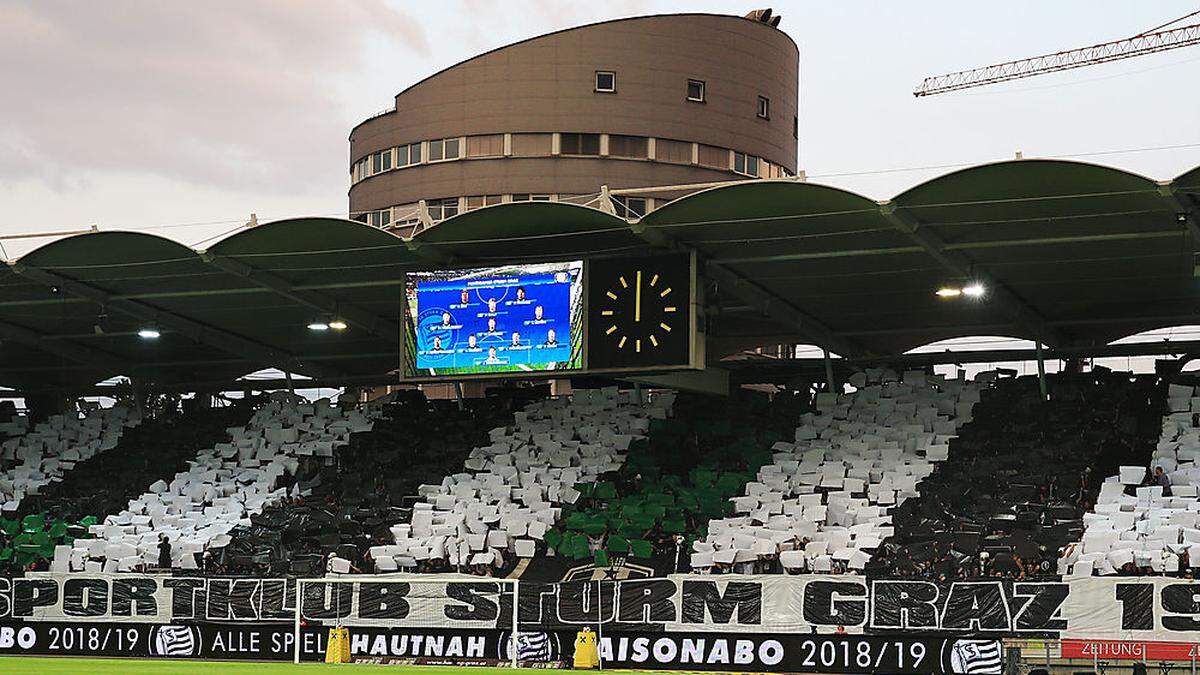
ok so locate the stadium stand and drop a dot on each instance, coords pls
(677, 479)
(1147, 515)
(348, 506)
(11, 423)
(37, 462)
(1021, 476)
(909, 475)
(223, 486)
(823, 503)
(156, 449)
(44, 454)
(513, 489)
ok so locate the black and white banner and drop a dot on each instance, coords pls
(1092, 608)
(757, 652)
(274, 641)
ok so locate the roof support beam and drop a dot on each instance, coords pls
(429, 252)
(200, 332)
(961, 266)
(780, 310)
(1187, 212)
(66, 349)
(321, 302)
(756, 296)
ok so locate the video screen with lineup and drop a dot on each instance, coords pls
(514, 318)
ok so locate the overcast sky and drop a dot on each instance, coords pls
(145, 115)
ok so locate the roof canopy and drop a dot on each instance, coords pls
(1070, 253)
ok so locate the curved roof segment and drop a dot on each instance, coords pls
(1070, 253)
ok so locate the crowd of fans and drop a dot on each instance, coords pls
(1021, 476)
(1009, 501)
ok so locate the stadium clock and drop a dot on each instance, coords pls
(639, 312)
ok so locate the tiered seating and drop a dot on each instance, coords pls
(1020, 476)
(43, 455)
(61, 512)
(31, 542)
(823, 502)
(514, 488)
(222, 488)
(11, 424)
(156, 449)
(676, 479)
(348, 507)
(1141, 525)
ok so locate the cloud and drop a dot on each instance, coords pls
(221, 93)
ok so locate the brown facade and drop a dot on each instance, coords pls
(548, 85)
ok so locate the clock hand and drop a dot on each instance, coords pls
(637, 299)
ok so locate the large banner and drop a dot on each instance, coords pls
(1150, 609)
(272, 641)
(636, 650)
(791, 653)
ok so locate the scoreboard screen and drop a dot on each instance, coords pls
(508, 319)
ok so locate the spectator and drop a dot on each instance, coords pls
(1161, 479)
(164, 552)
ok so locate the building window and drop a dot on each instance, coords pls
(795, 126)
(713, 157)
(480, 201)
(606, 81)
(407, 155)
(630, 207)
(441, 209)
(764, 107)
(636, 147)
(490, 145)
(531, 198)
(695, 90)
(673, 152)
(532, 145)
(579, 144)
(381, 218)
(445, 148)
(747, 165)
(381, 161)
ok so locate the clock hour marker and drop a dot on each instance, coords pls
(653, 340)
(665, 327)
(668, 309)
(637, 345)
(624, 284)
(621, 344)
(654, 280)
(611, 330)
(611, 295)
(609, 312)
(663, 294)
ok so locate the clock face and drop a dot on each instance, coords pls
(639, 313)
(640, 310)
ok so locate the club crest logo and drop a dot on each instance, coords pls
(175, 641)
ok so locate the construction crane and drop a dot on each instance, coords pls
(1157, 39)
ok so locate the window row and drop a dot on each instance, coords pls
(407, 215)
(567, 144)
(694, 90)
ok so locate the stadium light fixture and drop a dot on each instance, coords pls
(974, 290)
(338, 324)
(318, 325)
(149, 333)
(948, 292)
